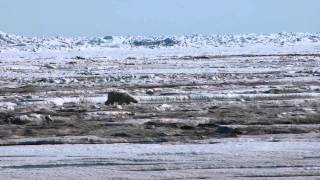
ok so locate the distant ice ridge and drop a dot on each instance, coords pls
(8, 41)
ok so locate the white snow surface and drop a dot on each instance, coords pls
(136, 150)
(13, 46)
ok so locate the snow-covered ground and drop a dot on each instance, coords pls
(229, 160)
(191, 89)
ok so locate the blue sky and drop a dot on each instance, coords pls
(157, 17)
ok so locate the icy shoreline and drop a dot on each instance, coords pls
(246, 109)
